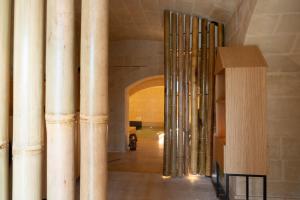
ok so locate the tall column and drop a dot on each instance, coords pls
(5, 49)
(94, 97)
(203, 98)
(174, 97)
(168, 103)
(211, 99)
(194, 107)
(187, 63)
(28, 99)
(60, 102)
(180, 146)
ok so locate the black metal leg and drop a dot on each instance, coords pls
(265, 187)
(247, 187)
(227, 187)
(218, 180)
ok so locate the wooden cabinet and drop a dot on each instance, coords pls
(240, 140)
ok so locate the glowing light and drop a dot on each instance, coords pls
(166, 177)
(161, 136)
(193, 178)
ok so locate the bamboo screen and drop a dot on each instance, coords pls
(189, 57)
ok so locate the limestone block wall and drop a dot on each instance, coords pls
(274, 26)
(130, 61)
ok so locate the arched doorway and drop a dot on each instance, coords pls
(144, 103)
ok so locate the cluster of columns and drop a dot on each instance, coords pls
(189, 51)
(47, 45)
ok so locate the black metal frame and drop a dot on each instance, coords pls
(224, 195)
(227, 176)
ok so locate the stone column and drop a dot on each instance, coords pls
(60, 99)
(93, 102)
(5, 51)
(28, 109)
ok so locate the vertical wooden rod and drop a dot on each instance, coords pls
(174, 96)
(220, 35)
(194, 107)
(60, 102)
(28, 128)
(94, 99)
(5, 68)
(180, 151)
(203, 106)
(211, 102)
(187, 63)
(167, 106)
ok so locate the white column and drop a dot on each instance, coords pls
(60, 99)
(28, 109)
(5, 51)
(93, 102)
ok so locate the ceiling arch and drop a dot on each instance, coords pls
(143, 19)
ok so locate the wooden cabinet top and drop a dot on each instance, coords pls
(239, 56)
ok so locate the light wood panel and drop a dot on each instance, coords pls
(246, 140)
(239, 56)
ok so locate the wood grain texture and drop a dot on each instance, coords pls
(219, 142)
(28, 86)
(220, 104)
(246, 139)
(167, 102)
(194, 105)
(180, 151)
(5, 69)
(203, 106)
(239, 56)
(174, 97)
(187, 63)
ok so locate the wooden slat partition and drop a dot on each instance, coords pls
(167, 103)
(189, 110)
(174, 96)
(180, 151)
(203, 99)
(194, 105)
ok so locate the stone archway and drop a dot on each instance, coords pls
(141, 84)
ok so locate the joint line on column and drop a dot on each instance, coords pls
(99, 119)
(28, 150)
(60, 118)
(4, 145)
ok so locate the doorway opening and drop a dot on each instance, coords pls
(144, 117)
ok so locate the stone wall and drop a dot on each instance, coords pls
(130, 61)
(236, 28)
(274, 26)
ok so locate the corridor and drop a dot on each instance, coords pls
(137, 175)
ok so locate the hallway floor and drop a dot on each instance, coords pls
(137, 175)
(148, 158)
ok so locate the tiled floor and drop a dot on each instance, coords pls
(147, 186)
(137, 175)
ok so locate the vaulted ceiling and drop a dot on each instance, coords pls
(143, 19)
